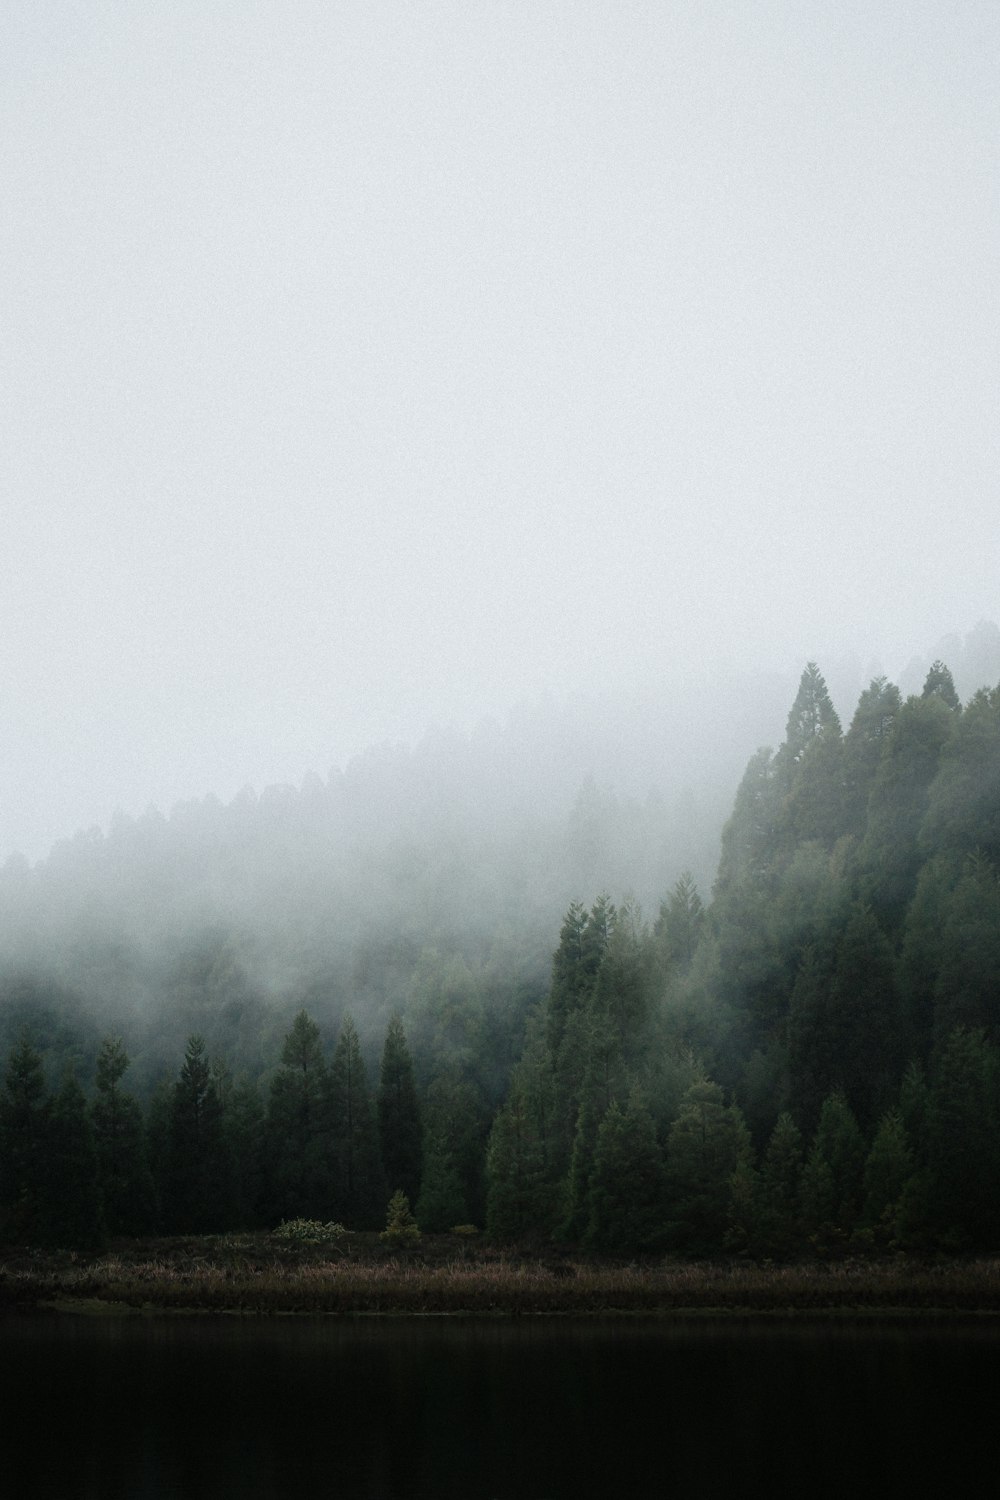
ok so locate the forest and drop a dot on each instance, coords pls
(802, 1062)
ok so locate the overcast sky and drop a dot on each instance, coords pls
(366, 365)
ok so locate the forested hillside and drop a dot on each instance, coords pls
(812, 1061)
(806, 1061)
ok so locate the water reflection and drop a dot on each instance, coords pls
(516, 1411)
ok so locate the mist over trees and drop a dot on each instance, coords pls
(303, 1003)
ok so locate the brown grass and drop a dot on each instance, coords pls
(250, 1274)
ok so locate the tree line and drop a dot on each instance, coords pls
(806, 1062)
(208, 1154)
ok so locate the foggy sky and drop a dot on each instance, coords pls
(367, 365)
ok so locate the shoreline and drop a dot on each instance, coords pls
(250, 1276)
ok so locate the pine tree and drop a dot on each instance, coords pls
(72, 1194)
(679, 925)
(298, 1131)
(889, 856)
(442, 1203)
(963, 810)
(939, 683)
(399, 1114)
(244, 1132)
(873, 723)
(778, 1224)
(24, 1121)
(963, 1132)
(888, 1169)
(126, 1184)
(707, 1142)
(359, 1187)
(832, 1178)
(198, 1189)
(515, 1172)
(627, 1196)
(809, 767)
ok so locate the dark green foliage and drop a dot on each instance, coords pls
(850, 954)
(24, 1121)
(244, 1125)
(358, 1183)
(298, 1132)
(71, 1187)
(627, 1196)
(939, 683)
(963, 806)
(844, 1024)
(708, 1141)
(442, 1202)
(399, 1114)
(966, 991)
(401, 1228)
(832, 1178)
(515, 1172)
(126, 1184)
(197, 1194)
(582, 941)
(749, 839)
(888, 1170)
(889, 856)
(809, 768)
(779, 1194)
(873, 723)
(963, 1143)
(679, 925)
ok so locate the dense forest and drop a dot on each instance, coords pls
(805, 1062)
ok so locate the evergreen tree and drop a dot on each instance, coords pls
(442, 1202)
(604, 1081)
(623, 986)
(298, 1132)
(399, 1114)
(575, 963)
(570, 977)
(809, 767)
(628, 1182)
(244, 1125)
(888, 1169)
(126, 1184)
(963, 809)
(517, 1190)
(707, 1142)
(872, 725)
(359, 1187)
(679, 925)
(939, 683)
(749, 838)
(889, 856)
(963, 1144)
(198, 1188)
(72, 1193)
(844, 1021)
(24, 1121)
(832, 1178)
(456, 1125)
(778, 1220)
(965, 988)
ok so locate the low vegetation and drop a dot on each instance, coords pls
(361, 1274)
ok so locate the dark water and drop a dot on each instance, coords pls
(522, 1411)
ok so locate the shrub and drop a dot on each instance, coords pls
(308, 1232)
(401, 1228)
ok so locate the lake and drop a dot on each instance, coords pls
(522, 1410)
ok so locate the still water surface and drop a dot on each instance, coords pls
(430, 1410)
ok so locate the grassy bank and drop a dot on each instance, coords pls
(252, 1274)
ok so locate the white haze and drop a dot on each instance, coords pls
(368, 366)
